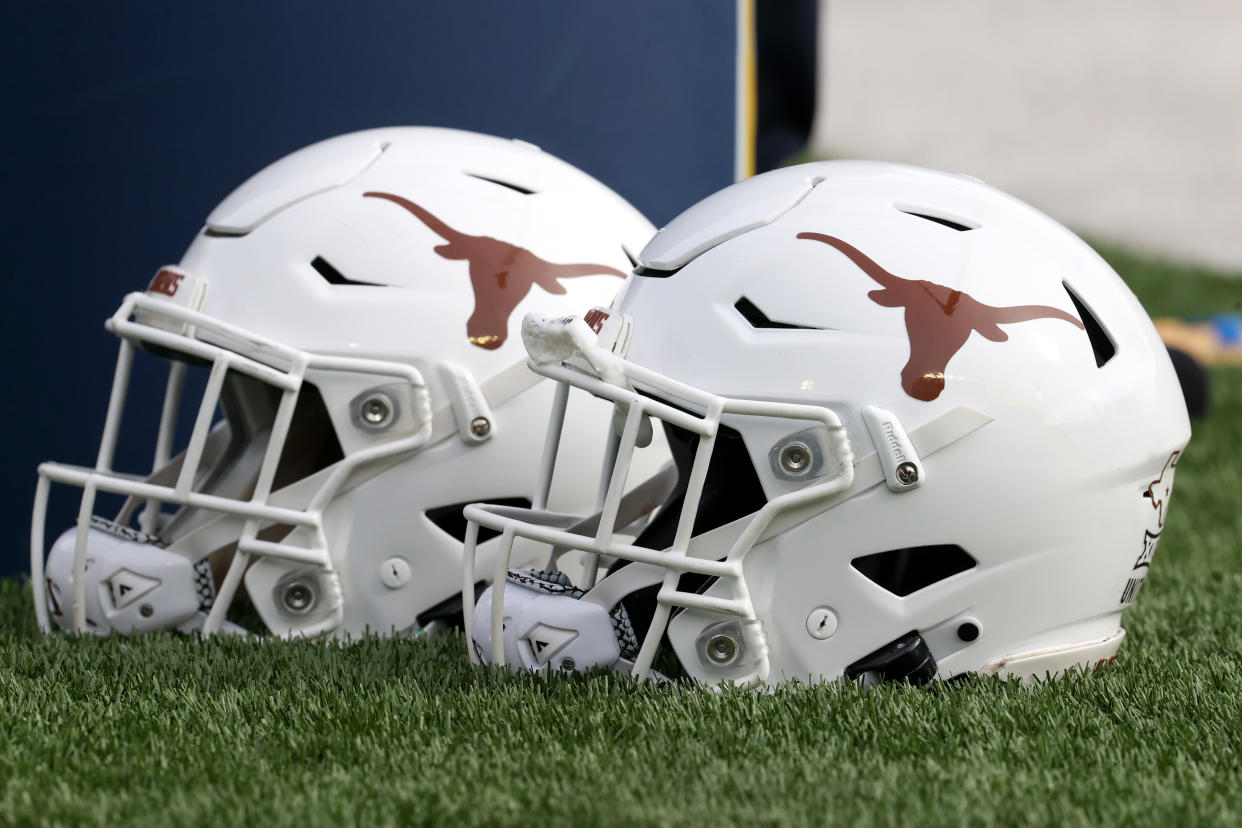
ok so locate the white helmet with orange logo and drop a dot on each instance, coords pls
(342, 376)
(921, 430)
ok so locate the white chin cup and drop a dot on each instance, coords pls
(133, 584)
(542, 631)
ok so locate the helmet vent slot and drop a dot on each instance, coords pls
(334, 277)
(1101, 343)
(449, 519)
(906, 571)
(758, 319)
(654, 273)
(952, 224)
(518, 188)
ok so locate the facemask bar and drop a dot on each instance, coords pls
(220, 345)
(548, 527)
(147, 519)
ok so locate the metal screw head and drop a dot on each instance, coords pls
(568, 664)
(722, 649)
(907, 473)
(480, 426)
(821, 623)
(395, 572)
(376, 410)
(146, 610)
(298, 597)
(795, 457)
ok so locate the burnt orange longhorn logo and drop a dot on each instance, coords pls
(939, 320)
(1161, 489)
(501, 274)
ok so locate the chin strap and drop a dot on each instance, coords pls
(133, 583)
(547, 627)
(558, 583)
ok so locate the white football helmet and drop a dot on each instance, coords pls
(351, 311)
(922, 430)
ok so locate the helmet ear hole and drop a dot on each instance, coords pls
(312, 444)
(731, 489)
(450, 520)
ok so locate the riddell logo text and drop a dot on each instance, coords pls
(894, 444)
(166, 282)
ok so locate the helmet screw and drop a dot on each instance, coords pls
(146, 610)
(480, 426)
(822, 623)
(395, 572)
(907, 474)
(568, 664)
(722, 649)
(376, 410)
(795, 457)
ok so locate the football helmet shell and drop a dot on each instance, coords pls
(951, 431)
(353, 308)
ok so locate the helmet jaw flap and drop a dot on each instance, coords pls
(133, 584)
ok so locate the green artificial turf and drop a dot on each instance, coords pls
(172, 730)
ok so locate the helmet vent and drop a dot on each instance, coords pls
(334, 277)
(449, 519)
(654, 273)
(906, 571)
(952, 224)
(1101, 343)
(758, 319)
(515, 187)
